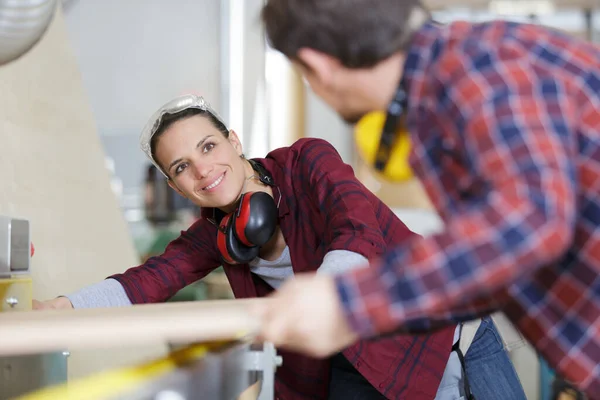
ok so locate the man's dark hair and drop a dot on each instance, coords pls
(359, 33)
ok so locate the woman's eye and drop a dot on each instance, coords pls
(180, 168)
(208, 147)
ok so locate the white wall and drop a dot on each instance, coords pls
(135, 55)
(52, 173)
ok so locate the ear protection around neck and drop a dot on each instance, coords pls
(383, 142)
(249, 226)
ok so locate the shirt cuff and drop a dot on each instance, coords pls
(339, 261)
(365, 301)
(106, 293)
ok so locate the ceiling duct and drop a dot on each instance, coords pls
(22, 24)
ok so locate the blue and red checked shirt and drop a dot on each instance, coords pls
(505, 122)
(323, 208)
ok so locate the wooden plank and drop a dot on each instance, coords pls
(40, 331)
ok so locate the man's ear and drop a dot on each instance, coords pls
(320, 65)
(235, 142)
(175, 188)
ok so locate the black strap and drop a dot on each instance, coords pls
(467, 387)
(395, 112)
(263, 174)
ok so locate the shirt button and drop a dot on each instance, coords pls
(358, 364)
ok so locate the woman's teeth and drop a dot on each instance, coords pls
(215, 183)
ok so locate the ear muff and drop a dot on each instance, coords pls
(232, 251)
(368, 137)
(255, 218)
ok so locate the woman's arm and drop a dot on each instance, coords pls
(187, 259)
(353, 233)
(108, 293)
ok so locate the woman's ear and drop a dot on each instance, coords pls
(235, 142)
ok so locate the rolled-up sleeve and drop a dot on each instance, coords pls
(185, 260)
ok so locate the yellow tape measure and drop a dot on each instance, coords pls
(120, 382)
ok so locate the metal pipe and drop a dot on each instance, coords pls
(22, 24)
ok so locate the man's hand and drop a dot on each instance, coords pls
(305, 315)
(57, 303)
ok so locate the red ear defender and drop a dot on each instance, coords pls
(232, 251)
(255, 218)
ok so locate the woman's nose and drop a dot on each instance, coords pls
(201, 169)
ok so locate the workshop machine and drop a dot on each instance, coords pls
(20, 374)
(216, 370)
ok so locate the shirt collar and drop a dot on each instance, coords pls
(423, 51)
(279, 184)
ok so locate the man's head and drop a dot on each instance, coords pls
(345, 48)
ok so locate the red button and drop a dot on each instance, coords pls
(32, 250)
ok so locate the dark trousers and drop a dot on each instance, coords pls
(348, 384)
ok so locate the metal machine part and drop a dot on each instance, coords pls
(22, 374)
(221, 375)
(22, 24)
(264, 361)
(218, 375)
(201, 371)
(209, 371)
(14, 246)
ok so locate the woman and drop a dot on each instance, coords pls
(324, 221)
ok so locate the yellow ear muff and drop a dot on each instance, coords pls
(367, 134)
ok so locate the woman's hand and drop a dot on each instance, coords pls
(59, 303)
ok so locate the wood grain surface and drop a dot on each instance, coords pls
(39, 331)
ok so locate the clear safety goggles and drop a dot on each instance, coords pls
(174, 106)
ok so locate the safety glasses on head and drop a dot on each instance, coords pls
(174, 106)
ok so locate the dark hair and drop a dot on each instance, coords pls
(359, 33)
(169, 119)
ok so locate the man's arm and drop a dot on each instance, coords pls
(518, 138)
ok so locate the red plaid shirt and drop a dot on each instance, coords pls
(323, 208)
(505, 120)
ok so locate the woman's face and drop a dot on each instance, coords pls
(204, 166)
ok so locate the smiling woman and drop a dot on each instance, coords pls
(202, 160)
(300, 209)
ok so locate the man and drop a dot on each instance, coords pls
(504, 126)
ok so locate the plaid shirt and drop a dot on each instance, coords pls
(505, 119)
(323, 207)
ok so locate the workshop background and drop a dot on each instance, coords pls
(71, 110)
